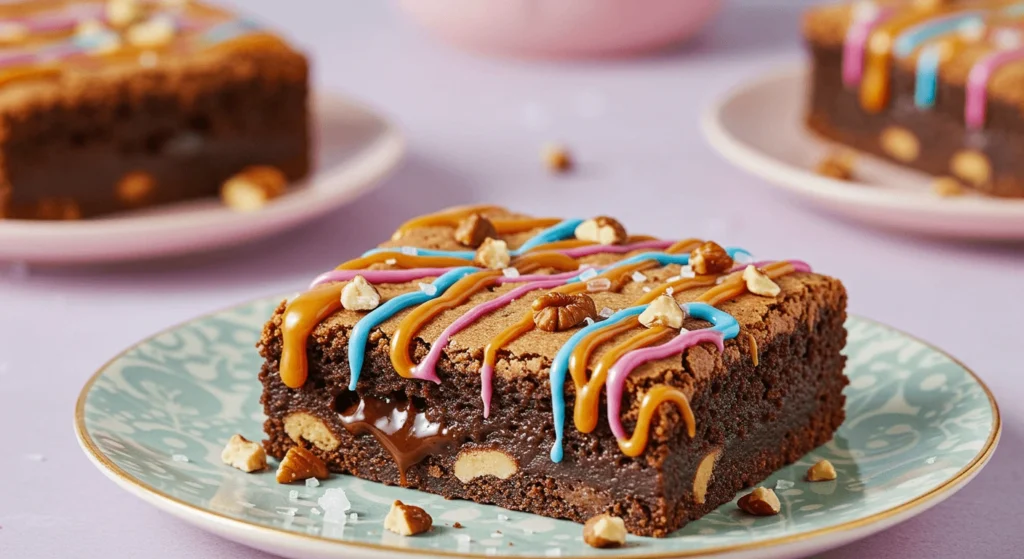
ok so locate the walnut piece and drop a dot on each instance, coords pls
(474, 463)
(821, 471)
(300, 426)
(407, 520)
(760, 502)
(474, 230)
(759, 283)
(948, 187)
(244, 454)
(300, 464)
(901, 144)
(837, 165)
(971, 167)
(704, 475)
(493, 254)
(556, 312)
(604, 531)
(359, 295)
(663, 311)
(602, 229)
(556, 158)
(252, 188)
(710, 258)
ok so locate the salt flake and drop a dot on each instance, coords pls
(588, 274)
(179, 458)
(428, 288)
(293, 495)
(391, 261)
(606, 312)
(410, 251)
(599, 284)
(312, 482)
(639, 277)
(510, 272)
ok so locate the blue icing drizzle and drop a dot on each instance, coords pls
(720, 320)
(908, 41)
(557, 232)
(560, 366)
(926, 84)
(662, 258)
(361, 331)
(229, 30)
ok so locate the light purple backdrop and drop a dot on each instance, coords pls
(475, 126)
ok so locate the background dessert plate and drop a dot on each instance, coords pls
(919, 426)
(759, 126)
(354, 148)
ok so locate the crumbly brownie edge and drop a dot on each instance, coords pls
(835, 113)
(190, 124)
(791, 403)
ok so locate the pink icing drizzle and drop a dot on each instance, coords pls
(977, 84)
(378, 276)
(590, 250)
(855, 45)
(624, 366)
(426, 369)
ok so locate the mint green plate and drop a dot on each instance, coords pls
(919, 426)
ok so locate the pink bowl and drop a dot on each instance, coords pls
(562, 28)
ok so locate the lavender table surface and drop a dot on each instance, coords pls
(475, 126)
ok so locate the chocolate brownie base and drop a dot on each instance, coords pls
(68, 145)
(759, 417)
(835, 113)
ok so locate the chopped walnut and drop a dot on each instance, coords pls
(710, 258)
(759, 283)
(760, 502)
(837, 165)
(407, 520)
(823, 470)
(602, 229)
(244, 454)
(555, 312)
(604, 531)
(359, 295)
(493, 254)
(474, 230)
(663, 311)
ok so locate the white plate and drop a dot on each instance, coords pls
(759, 127)
(354, 149)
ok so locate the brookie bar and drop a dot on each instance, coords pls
(560, 367)
(121, 104)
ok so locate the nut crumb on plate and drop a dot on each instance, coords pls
(837, 165)
(407, 520)
(244, 454)
(948, 187)
(823, 470)
(604, 531)
(762, 501)
(300, 464)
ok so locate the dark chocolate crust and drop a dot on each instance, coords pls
(760, 417)
(835, 113)
(188, 123)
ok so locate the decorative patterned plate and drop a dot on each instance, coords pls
(759, 127)
(919, 426)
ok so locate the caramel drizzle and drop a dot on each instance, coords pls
(875, 84)
(402, 260)
(458, 294)
(452, 218)
(731, 288)
(617, 277)
(301, 316)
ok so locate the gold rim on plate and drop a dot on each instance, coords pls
(950, 484)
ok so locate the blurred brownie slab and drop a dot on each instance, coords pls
(560, 367)
(110, 106)
(937, 86)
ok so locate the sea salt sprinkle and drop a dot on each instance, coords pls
(179, 458)
(428, 288)
(588, 274)
(782, 485)
(606, 312)
(638, 277)
(353, 516)
(287, 511)
(246, 504)
(497, 534)
(293, 495)
(599, 284)
(510, 272)
(687, 272)
(669, 291)
(312, 482)
(314, 511)
(335, 504)
(502, 518)
(647, 289)
(391, 261)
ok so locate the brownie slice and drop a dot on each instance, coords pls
(945, 97)
(774, 394)
(104, 109)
